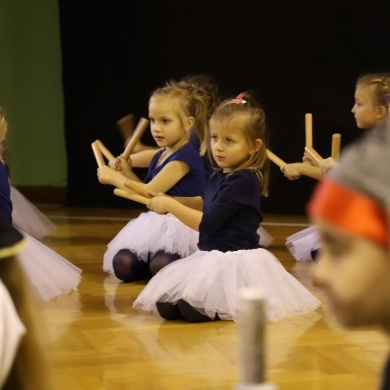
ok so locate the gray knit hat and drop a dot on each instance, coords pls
(356, 194)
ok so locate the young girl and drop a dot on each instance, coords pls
(371, 108)
(50, 274)
(202, 84)
(24, 364)
(351, 208)
(206, 86)
(205, 285)
(151, 241)
(25, 215)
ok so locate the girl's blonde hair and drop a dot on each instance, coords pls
(187, 101)
(3, 136)
(207, 85)
(245, 114)
(381, 84)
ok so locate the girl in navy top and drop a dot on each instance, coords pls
(203, 85)
(151, 241)
(50, 274)
(205, 285)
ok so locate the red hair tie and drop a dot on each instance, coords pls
(239, 98)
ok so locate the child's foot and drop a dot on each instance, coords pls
(190, 314)
(168, 311)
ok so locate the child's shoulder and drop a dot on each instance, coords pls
(243, 175)
(243, 179)
(188, 154)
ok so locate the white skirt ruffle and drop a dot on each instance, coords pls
(51, 275)
(211, 282)
(301, 244)
(27, 217)
(149, 233)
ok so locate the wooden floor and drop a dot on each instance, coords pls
(97, 341)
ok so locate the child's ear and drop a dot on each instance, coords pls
(256, 146)
(382, 110)
(190, 123)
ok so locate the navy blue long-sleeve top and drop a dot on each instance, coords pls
(231, 212)
(193, 183)
(5, 194)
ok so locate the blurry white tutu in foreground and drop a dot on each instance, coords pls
(51, 275)
(302, 243)
(27, 217)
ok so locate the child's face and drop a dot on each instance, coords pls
(229, 147)
(165, 125)
(355, 274)
(367, 113)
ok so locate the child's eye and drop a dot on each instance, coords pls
(229, 140)
(214, 137)
(165, 121)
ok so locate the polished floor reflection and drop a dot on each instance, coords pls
(97, 341)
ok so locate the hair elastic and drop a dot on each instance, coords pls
(239, 98)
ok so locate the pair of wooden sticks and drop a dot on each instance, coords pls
(335, 152)
(100, 151)
(316, 157)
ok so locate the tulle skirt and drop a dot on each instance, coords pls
(149, 233)
(27, 217)
(211, 282)
(265, 238)
(50, 274)
(302, 243)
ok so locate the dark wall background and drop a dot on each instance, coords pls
(298, 57)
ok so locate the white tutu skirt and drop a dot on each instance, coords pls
(149, 233)
(27, 217)
(265, 238)
(211, 282)
(303, 242)
(50, 274)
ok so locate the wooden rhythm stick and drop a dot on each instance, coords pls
(314, 155)
(106, 153)
(336, 143)
(309, 130)
(139, 130)
(137, 189)
(275, 159)
(98, 154)
(251, 326)
(126, 126)
(128, 195)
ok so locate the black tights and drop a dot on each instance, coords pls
(182, 310)
(128, 268)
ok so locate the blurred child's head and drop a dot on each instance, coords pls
(351, 208)
(240, 121)
(372, 98)
(206, 85)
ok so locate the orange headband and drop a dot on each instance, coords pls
(350, 210)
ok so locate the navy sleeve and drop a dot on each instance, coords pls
(5, 194)
(190, 156)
